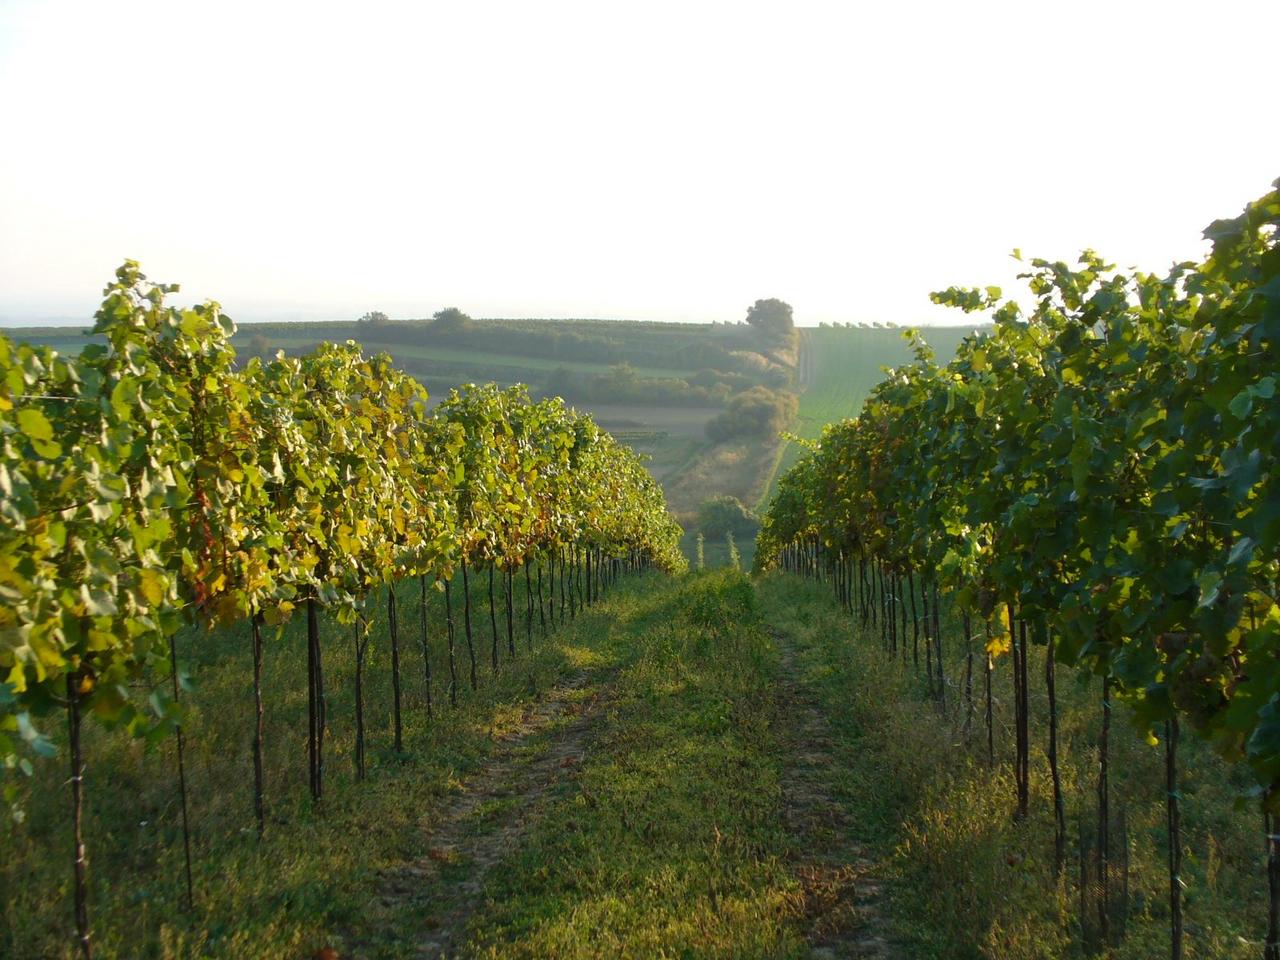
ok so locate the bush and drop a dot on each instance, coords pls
(723, 515)
(759, 412)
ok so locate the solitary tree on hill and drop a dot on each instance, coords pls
(450, 320)
(771, 317)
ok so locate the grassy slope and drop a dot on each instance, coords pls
(838, 368)
(672, 844)
(689, 467)
(969, 882)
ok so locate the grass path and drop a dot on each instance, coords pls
(490, 814)
(842, 889)
(677, 798)
(922, 814)
(658, 830)
(668, 775)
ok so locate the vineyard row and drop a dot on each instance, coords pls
(1095, 474)
(152, 483)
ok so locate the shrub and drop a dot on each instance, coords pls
(723, 515)
(758, 412)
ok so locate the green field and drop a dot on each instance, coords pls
(838, 368)
(481, 358)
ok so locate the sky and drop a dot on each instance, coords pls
(659, 161)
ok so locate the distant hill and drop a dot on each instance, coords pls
(663, 388)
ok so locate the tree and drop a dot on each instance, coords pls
(772, 318)
(374, 318)
(259, 346)
(623, 374)
(450, 320)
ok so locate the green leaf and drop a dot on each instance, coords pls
(49, 449)
(123, 396)
(1210, 583)
(1243, 548)
(34, 424)
(151, 585)
(1263, 746)
(97, 603)
(1241, 403)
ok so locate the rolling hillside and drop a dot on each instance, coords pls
(654, 385)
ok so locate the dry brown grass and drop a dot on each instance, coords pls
(740, 469)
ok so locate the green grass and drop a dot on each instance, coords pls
(966, 880)
(669, 837)
(310, 882)
(671, 844)
(480, 358)
(838, 368)
(666, 839)
(664, 454)
(715, 551)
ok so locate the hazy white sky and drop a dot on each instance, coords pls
(644, 160)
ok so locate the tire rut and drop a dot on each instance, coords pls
(481, 824)
(804, 372)
(842, 894)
